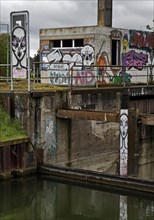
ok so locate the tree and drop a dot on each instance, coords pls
(4, 52)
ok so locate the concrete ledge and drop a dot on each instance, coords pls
(98, 178)
(13, 142)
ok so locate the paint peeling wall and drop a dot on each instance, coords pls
(107, 56)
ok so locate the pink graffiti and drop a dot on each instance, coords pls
(141, 40)
(19, 73)
(136, 60)
(84, 78)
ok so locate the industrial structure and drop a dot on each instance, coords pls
(98, 53)
(107, 129)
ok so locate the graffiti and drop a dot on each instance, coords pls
(50, 137)
(62, 61)
(125, 43)
(151, 55)
(105, 71)
(59, 77)
(141, 40)
(123, 141)
(84, 78)
(62, 77)
(136, 60)
(119, 78)
(87, 54)
(19, 52)
(102, 61)
(72, 58)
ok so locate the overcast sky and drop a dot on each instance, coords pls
(129, 14)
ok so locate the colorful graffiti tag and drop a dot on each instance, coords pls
(141, 40)
(136, 60)
(90, 68)
(62, 61)
(84, 78)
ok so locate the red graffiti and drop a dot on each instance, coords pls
(141, 40)
(84, 78)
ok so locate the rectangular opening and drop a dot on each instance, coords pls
(67, 43)
(56, 43)
(115, 52)
(78, 42)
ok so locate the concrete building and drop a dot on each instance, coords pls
(96, 53)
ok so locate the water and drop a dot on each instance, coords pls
(40, 199)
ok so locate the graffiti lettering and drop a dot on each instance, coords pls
(84, 78)
(136, 60)
(59, 78)
(141, 40)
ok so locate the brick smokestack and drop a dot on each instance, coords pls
(104, 17)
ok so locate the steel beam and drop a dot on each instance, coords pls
(146, 119)
(88, 115)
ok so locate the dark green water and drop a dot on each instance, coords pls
(39, 199)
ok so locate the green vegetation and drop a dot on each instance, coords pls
(10, 129)
(4, 52)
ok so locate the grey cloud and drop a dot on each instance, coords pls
(129, 14)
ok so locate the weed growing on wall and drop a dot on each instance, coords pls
(10, 129)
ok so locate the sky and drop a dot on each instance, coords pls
(128, 14)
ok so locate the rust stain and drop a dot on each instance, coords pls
(88, 115)
(147, 119)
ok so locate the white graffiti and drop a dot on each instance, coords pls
(72, 57)
(19, 52)
(62, 62)
(88, 55)
(123, 141)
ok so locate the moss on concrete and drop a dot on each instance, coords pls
(10, 129)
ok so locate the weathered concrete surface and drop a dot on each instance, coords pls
(85, 144)
(146, 153)
(147, 119)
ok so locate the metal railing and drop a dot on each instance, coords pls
(62, 75)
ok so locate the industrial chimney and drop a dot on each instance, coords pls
(104, 17)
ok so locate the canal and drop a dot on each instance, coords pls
(36, 198)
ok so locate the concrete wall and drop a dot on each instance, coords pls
(86, 144)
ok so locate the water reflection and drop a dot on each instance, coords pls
(37, 199)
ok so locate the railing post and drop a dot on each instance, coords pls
(34, 75)
(147, 75)
(97, 77)
(71, 77)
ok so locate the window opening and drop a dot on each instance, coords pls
(78, 42)
(56, 43)
(67, 43)
(115, 52)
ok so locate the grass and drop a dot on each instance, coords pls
(10, 129)
(22, 85)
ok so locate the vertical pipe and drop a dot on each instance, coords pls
(7, 52)
(34, 75)
(28, 53)
(11, 27)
